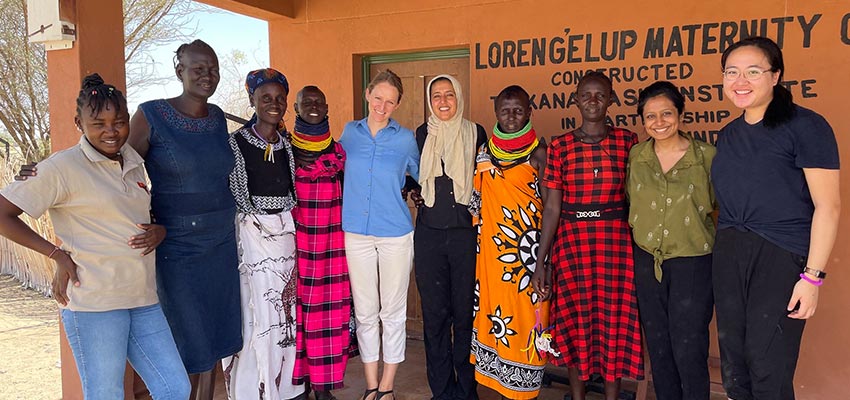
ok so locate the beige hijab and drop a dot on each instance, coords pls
(453, 143)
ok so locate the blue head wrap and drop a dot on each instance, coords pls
(260, 77)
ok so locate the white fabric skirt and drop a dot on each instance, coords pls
(267, 276)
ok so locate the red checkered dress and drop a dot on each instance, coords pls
(594, 309)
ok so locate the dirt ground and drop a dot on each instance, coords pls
(29, 344)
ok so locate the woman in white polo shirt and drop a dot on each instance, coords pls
(105, 281)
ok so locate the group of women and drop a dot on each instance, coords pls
(526, 253)
(246, 272)
(774, 178)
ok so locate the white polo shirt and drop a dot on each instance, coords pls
(95, 205)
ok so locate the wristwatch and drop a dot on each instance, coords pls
(815, 272)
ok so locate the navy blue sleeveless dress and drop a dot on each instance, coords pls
(197, 275)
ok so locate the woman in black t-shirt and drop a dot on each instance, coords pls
(776, 178)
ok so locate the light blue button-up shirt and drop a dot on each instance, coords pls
(375, 170)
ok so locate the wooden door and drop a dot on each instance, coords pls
(412, 112)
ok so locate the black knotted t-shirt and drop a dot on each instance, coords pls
(759, 181)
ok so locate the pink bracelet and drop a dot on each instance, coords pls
(810, 280)
(55, 249)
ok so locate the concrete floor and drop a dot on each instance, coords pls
(411, 383)
(29, 328)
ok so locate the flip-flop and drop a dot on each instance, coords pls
(382, 394)
(368, 392)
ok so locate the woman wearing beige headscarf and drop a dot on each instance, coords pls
(445, 240)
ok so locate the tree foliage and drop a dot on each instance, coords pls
(23, 84)
(149, 24)
(23, 66)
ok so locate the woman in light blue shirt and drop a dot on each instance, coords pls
(379, 229)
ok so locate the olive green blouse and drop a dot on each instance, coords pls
(670, 214)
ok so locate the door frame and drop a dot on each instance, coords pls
(367, 61)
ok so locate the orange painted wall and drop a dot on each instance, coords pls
(322, 45)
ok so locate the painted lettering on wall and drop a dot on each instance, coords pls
(634, 59)
(657, 42)
(845, 29)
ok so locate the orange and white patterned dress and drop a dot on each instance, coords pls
(509, 316)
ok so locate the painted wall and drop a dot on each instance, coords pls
(544, 45)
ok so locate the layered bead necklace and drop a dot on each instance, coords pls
(508, 147)
(309, 137)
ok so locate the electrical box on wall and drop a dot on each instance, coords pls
(44, 25)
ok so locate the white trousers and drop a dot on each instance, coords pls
(379, 270)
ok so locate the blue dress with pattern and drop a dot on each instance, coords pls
(197, 275)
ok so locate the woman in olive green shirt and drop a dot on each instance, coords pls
(671, 202)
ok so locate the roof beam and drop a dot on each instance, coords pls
(262, 9)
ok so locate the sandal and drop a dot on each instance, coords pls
(382, 394)
(369, 392)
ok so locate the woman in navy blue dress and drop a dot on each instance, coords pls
(184, 141)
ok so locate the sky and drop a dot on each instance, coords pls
(222, 30)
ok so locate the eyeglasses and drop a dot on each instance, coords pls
(750, 74)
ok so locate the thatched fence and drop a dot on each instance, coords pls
(32, 269)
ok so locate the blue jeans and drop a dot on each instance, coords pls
(102, 342)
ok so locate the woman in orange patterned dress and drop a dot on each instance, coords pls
(508, 336)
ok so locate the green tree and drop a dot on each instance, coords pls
(23, 66)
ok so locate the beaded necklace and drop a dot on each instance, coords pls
(311, 143)
(311, 137)
(268, 155)
(513, 146)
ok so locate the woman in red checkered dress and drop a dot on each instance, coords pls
(594, 309)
